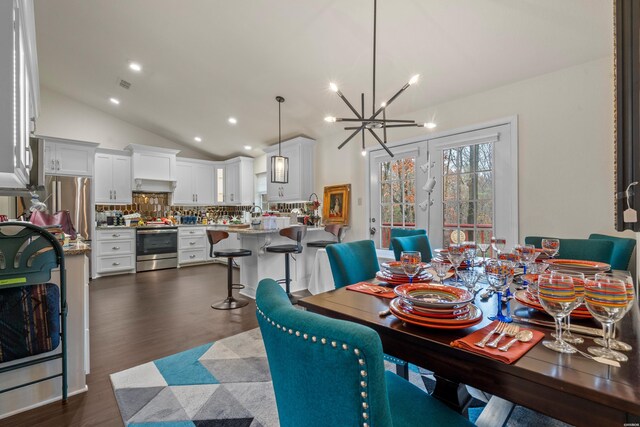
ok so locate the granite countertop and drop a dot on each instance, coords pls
(220, 227)
(78, 248)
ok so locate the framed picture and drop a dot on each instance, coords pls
(337, 199)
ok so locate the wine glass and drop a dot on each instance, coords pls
(498, 273)
(484, 247)
(410, 263)
(578, 283)
(470, 250)
(526, 254)
(469, 278)
(441, 268)
(498, 245)
(455, 254)
(628, 280)
(606, 299)
(557, 295)
(551, 247)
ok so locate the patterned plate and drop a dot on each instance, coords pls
(577, 265)
(398, 280)
(446, 313)
(395, 267)
(473, 317)
(431, 295)
(524, 298)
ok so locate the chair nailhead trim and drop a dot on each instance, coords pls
(363, 384)
(363, 394)
(365, 425)
(365, 415)
(305, 336)
(363, 373)
(314, 339)
(345, 347)
(334, 344)
(361, 362)
(356, 351)
(297, 333)
(364, 405)
(290, 331)
(323, 340)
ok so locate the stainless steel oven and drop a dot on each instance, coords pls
(156, 248)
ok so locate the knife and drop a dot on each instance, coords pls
(584, 330)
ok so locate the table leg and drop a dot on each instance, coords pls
(496, 413)
(452, 394)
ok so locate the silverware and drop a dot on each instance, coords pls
(510, 330)
(602, 360)
(497, 330)
(384, 313)
(487, 294)
(523, 336)
(584, 330)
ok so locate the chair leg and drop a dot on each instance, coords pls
(402, 369)
(230, 302)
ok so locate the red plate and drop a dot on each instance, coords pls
(395, 267)
(523, 298)
(575, 264)
(424, 277)
(449, 313)
(432, 295)
(473, 317)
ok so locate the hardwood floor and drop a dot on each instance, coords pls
(137, 318)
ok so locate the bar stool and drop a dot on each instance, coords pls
(335, 229)
(230, 302)
(297, 233)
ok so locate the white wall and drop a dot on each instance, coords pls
(64, 117)
(566, 147)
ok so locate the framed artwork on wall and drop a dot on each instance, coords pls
(337, 199)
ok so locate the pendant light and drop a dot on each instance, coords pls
(279, 163)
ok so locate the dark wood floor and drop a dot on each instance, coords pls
(136, 318)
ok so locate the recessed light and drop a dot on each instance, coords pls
(233, 120)
(135, 66)
(114, 101)
(247, 147)
(197, 139)
(430, 125)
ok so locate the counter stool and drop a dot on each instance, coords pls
(230, 302)
(297, 233)
(335, 229)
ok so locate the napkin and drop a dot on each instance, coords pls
(515, 352)
(372, 289)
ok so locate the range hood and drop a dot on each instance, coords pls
(154, 168)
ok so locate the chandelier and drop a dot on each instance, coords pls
(378, 119)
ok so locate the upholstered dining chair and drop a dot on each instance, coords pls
(404, 232)
(355, 262)
(412, 243)
(582, 249)
(622, 249)
(329, 372)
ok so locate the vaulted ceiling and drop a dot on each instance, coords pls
(206, 60)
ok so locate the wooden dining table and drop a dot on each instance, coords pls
(568, 387)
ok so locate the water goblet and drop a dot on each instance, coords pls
(607, 301)
(498, 245)
(455, 254)
(441, 268)
(557, 295)
(578, 283)
(470, 250)
(551, 247)
(410, 263)
(498, 273)
(469, 278)
(614, 344)
(484, 247)
(526, 254)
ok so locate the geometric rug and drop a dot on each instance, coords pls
(228, 384)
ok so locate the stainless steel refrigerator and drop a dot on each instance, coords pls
(71, 193)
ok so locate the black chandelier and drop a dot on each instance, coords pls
(279, 163)
(374, 121)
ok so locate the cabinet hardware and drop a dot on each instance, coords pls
(192, 256)
(57, 164)
(115, 263)
(115, 197)
(110, 194)
(115, 248)
(115, 235)
(192, 232)
(192, 243)
(53, 165)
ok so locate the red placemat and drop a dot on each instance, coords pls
(371, 289)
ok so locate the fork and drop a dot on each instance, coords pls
(497, 330)
(510, 331)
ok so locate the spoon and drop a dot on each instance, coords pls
(384, 313)
(524, 335)
(487, 294)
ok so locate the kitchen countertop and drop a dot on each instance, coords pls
(220, 227)
(78, 248)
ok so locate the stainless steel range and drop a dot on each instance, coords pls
(156, 248)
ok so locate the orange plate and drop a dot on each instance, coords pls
(472, 318)
(523, 298)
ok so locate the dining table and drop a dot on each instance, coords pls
(568, 387)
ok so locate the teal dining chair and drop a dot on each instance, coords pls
(405, 232)
(582, 249)
(329, 372)
(412, 243)
(622, 249)
(355, 262)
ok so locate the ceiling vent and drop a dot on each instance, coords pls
(125, 84)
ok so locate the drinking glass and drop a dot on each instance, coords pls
(410, 263)
(469, 278)
(470, 250)
(498, 245)
(456, 255)
(441, 268)
(484, 247)
(498, 274)
(606, 299)
(526, 254)
(557, 295)
(551, 247)
(628, 281)
(578, 283)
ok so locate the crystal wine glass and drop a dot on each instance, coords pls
(628, 280)
(551, 247)
(578, 283)
(484, 247)
(455, 254)
(498, 273)
(410, 263)
(470, 250)
(469, 278)
(498, 245)
(526, 254)
(441, 268)
(606, 299)
(557, 295)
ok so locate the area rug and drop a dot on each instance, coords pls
(227, 384)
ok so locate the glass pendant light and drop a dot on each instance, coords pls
(279, 163)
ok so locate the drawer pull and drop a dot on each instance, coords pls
(115, 248)
(192, 256)
(115, 263)
(115, 235)
(192, 232)
(192, 243)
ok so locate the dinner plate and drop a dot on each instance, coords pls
(473, 317)
(447, 313)
(525, 299)
(398, 280)
(395, 267)
(432, 295)
(577, 265)
(477, 261)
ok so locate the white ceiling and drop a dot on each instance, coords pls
(206, 60)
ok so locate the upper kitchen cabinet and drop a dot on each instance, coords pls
(153, 168)
(68, 158)
(19, 90)
(219, 175)
(238, 181)
(299, 150)
(195, 184)
(112, 177)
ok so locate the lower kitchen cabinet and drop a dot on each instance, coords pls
(115, 250)
(192, 245)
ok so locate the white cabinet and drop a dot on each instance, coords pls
(299, 150)
(219, 172)
(239, 181)
(153, 168)
(195, 183)
(115, 250)
(193, 245)
(68, 158)
(112, 178)
(19, 90)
